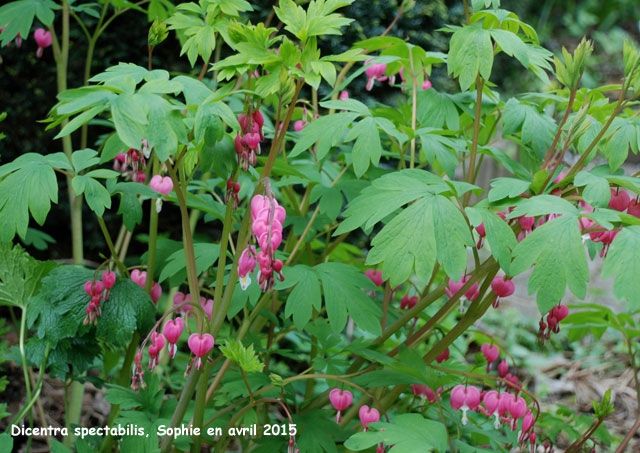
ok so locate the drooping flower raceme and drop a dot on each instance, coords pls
(267, 218)
(247, 142)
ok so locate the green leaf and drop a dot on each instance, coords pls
(130, 209)
(499, 235)
(386, 194)
(409, 242)
(407, 433)
(97, 196)
(596, 190)
(208, 128)
(622, 262)
(558, 253)
(470, 54)
(80, 120)
(20, 275)
(84, 158)
(305, 295)
(18, 16)
(537, 128)
(343, 286)
(244, 357)
(165, 127)
(327, 131)
(502, 188)
(205, 254)
(512, 45)
(60, 309)
(317, 430)
(6, 442)
(541, 205)
(367, 148)
(435, 109)
(623, 137)
(130, 119)
(29, 186)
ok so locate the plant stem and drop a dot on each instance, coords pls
(153, 236)
(414, 107)
(476, 134)
(572, 98)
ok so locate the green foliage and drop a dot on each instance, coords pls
(17, 17)
(20, 275)
(27, 185)
(558, 253)
(342, 286)
(318, 19)
(570, 72)
(430, 229)
(407, 432)
(245, 358)
(58, 311)
(470, 55)
(620, 262)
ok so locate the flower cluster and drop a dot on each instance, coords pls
(375, 72)
(180, 298)
(98, 291)
(157, 343)
(267, 218)
(199, 344)
(41, 36)
(504, 406)
(233, 191)
(247, 142)
(554, 317)
(454, 287)
(132, 163)
(140, 277)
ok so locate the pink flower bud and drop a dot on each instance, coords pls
(408, 302)
(444, 355)
(503, 368)
(156, 292)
